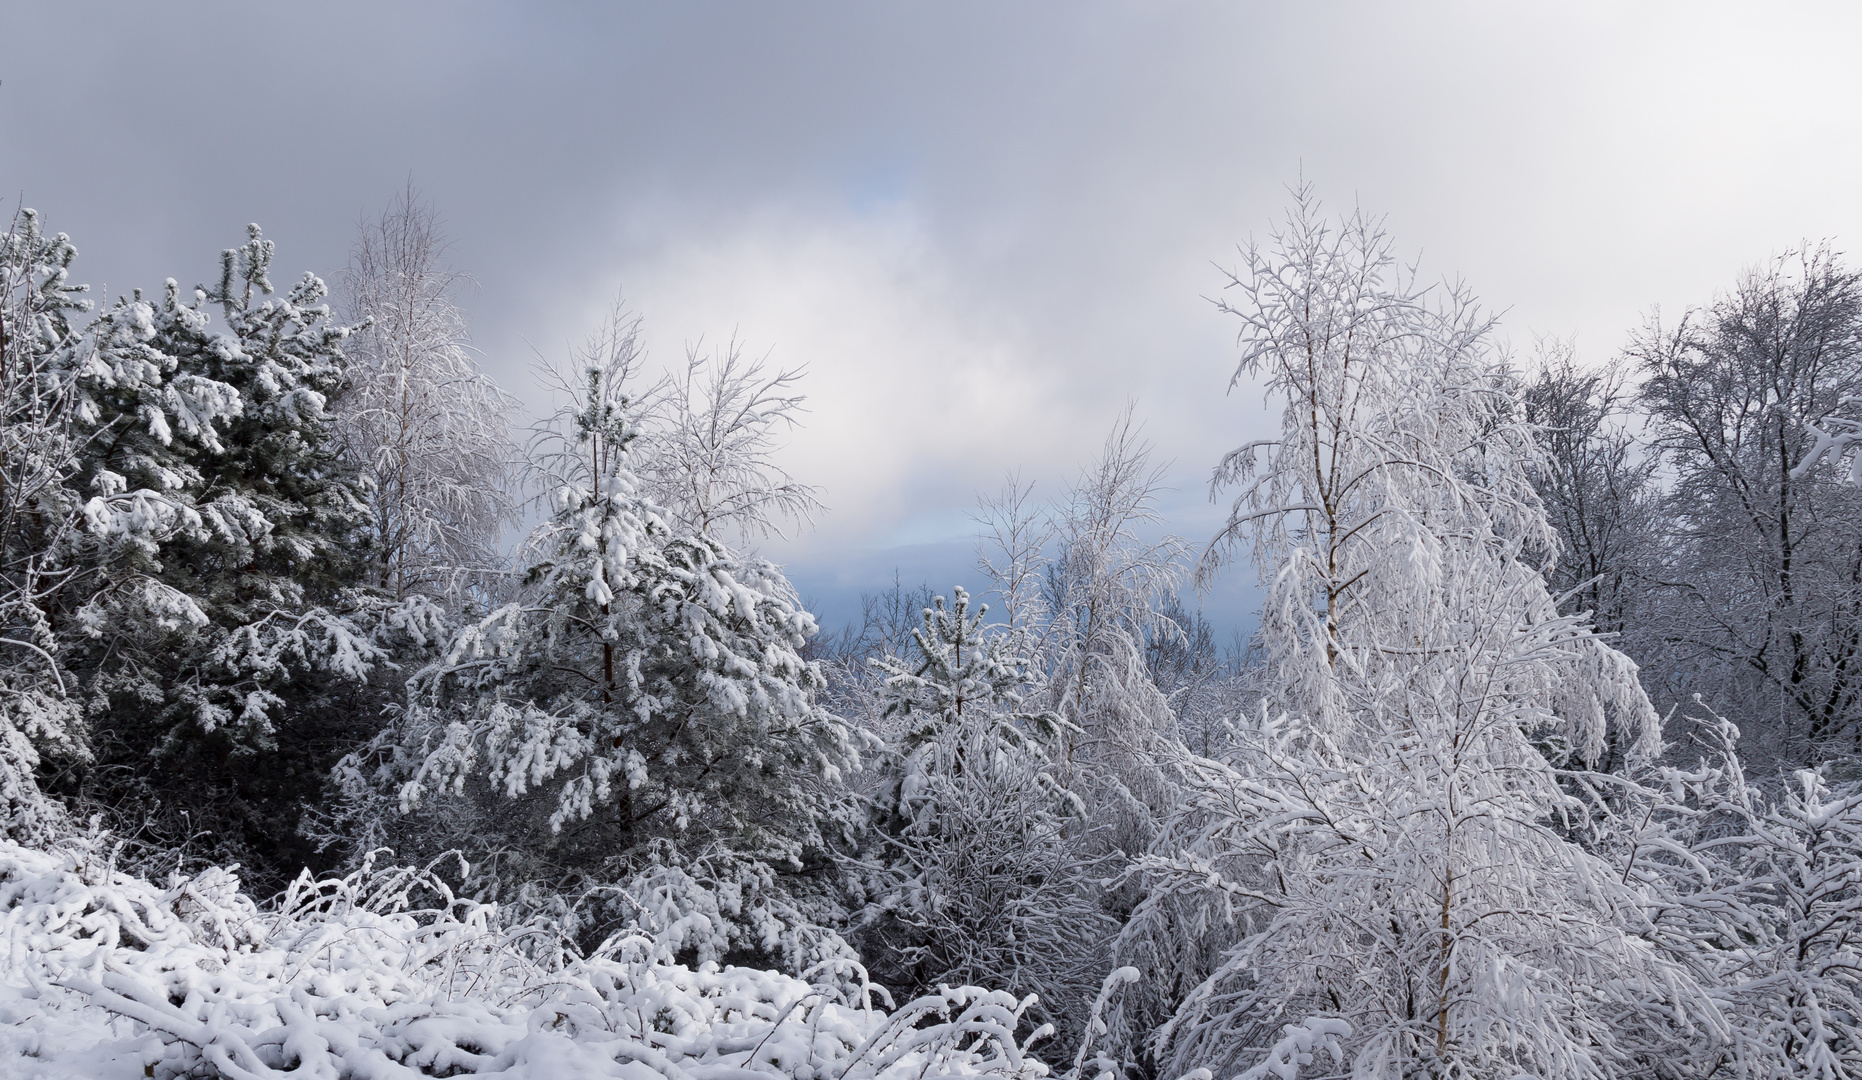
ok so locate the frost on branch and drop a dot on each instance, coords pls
(1760, 893)
(41, 435)
(709, 456)
(1385, 843)
(427, 426)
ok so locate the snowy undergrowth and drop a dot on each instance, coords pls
(386, 975)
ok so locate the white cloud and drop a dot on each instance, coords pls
(921, 391)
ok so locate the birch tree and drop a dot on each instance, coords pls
(709, 458)
(416, 412)
(1376, 844)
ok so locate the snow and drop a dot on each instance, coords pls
(384, 975)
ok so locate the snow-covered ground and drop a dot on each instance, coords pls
(385, 975)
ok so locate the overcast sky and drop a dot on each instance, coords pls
(982, 227)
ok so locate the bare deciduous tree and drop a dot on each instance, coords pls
(1013, 551)
(430, 427)
(1767, 566)
(1597, 485)
(1600, 493)
(709, 458)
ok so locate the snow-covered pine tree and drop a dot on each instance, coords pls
(209, 611)
(961, 673)
(972, 871)
(1383, 851)
(635, 739)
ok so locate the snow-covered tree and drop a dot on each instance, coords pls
(637, 732)
(1759, 894)
(1600, 495)
(191, 548)
(971, 868)
(1013, 552)
(1089, 581)
(41, 439)
(1598, 488)
(1765, 604)
(1377, 844)
(960, 674)
(709, 458)
(1105, 585)
(426, 425)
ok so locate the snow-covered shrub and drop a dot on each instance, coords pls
(1761, 891)
(386, 974)
(1088, 588)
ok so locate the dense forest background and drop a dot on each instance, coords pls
(1542, 760)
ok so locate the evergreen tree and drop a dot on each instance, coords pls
(209, 611)
(972, 871)
(635, 740)
(962, 674)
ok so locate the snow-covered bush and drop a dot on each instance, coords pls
(386, 974)
(1088, 587)
(1760, 889)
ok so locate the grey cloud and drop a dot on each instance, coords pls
(1033, 190)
